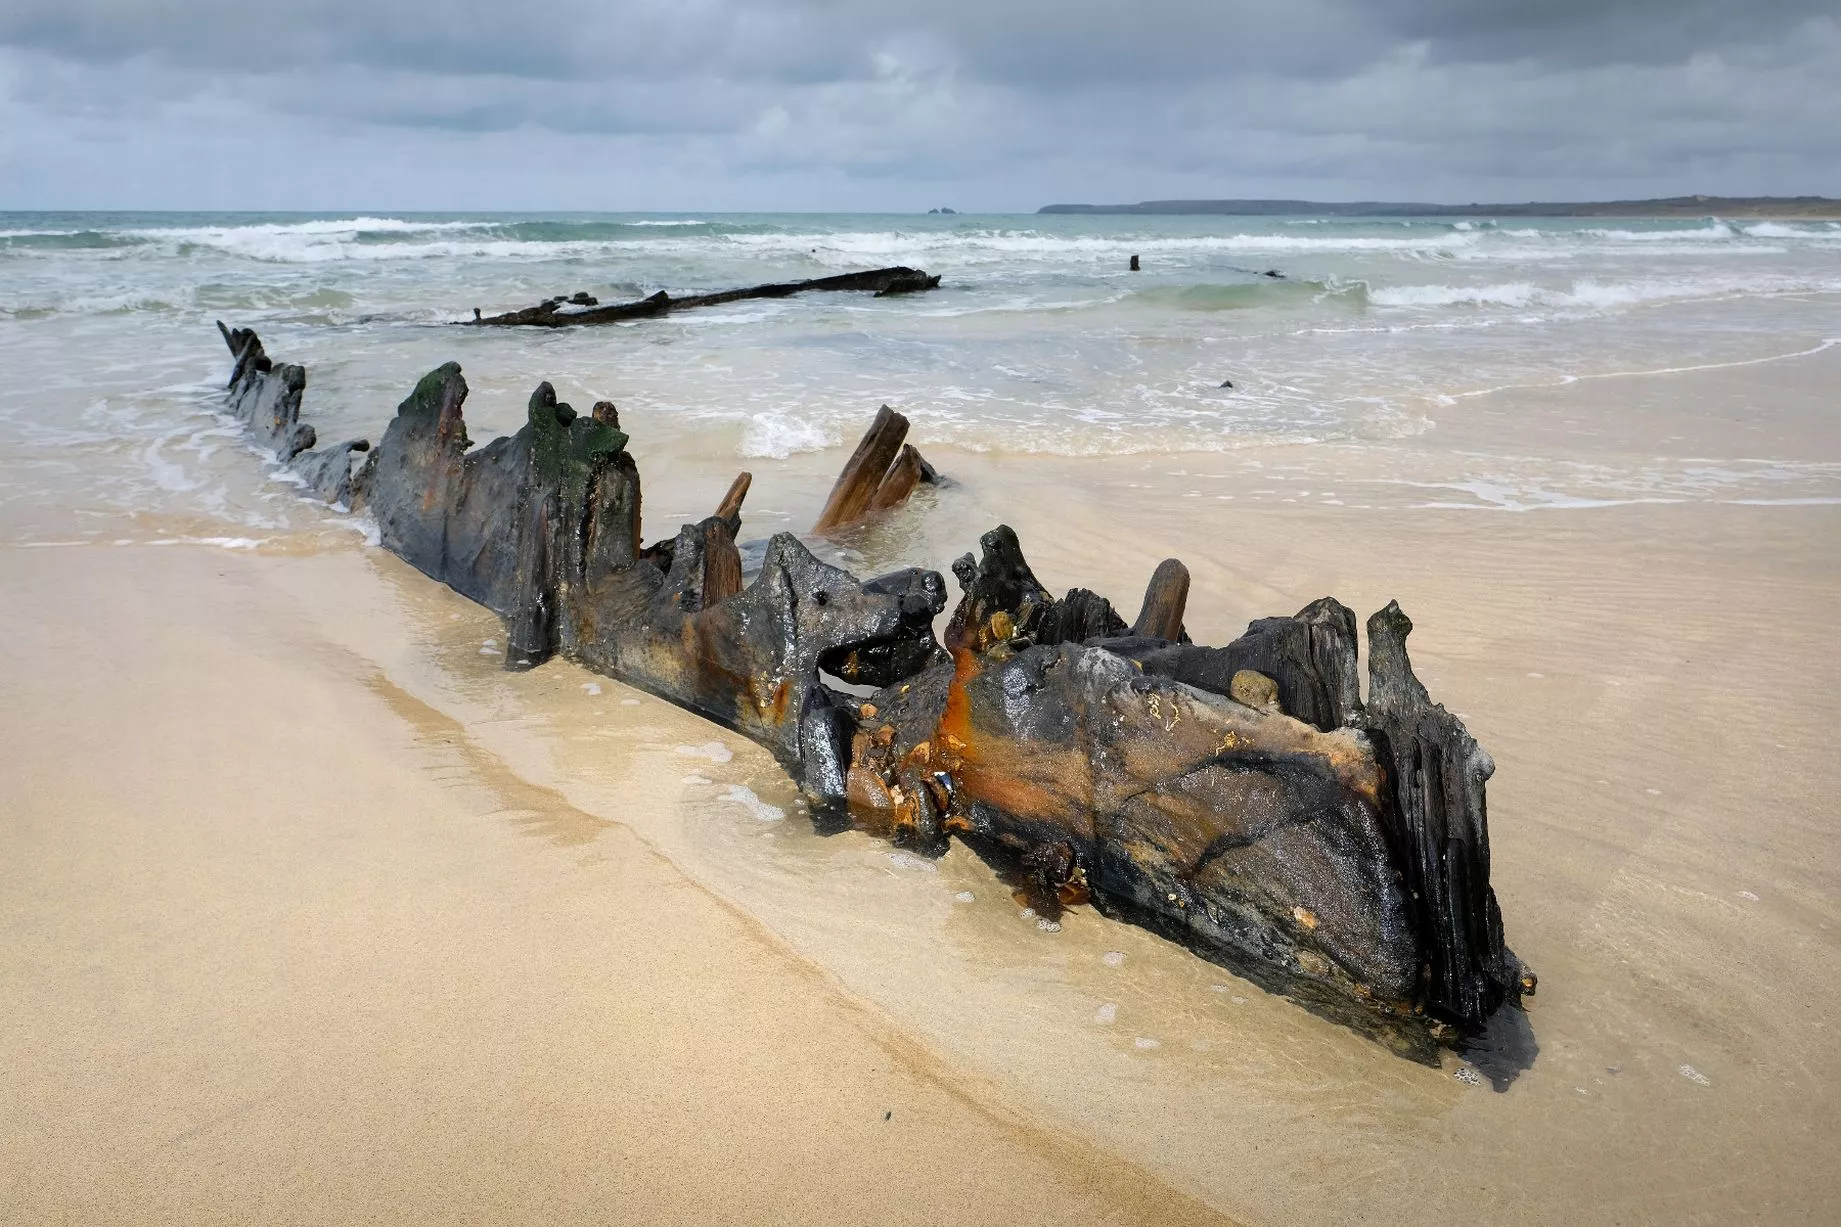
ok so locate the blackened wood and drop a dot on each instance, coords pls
(328, 473)
(919, 594)
(530, 630)
(1078, 617)
(913, 283)
(997, 582)
(1438, 823)
(550, 314)
(1310, 655)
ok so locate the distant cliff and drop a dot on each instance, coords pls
(1822, 207)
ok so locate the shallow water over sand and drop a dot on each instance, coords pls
(1664, 850)
(1382, 341)
(1624, 582)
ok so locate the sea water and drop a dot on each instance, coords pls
(1358, 347)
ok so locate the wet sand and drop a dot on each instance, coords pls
(321, 915)
(283, 945)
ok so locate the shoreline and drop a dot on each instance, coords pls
(1649, 678)
(284, 996)
(1569, 857)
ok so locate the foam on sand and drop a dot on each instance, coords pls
(746, 798)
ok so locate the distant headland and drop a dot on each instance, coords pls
(1815, 207)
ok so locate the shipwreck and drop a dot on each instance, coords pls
(1248, 801)
(583, 308)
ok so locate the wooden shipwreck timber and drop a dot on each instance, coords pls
(1244, 800)
(583, 308)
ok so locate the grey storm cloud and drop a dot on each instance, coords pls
(817, 103)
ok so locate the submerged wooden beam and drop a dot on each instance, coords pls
(582, 308)
(1243, 800)
(881, 473)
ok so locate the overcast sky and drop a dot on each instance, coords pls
(999, 105)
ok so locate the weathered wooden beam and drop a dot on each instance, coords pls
(558, 313)
(1161, 615)
(1309, 656)
(722, 562)
(881, 473)
(1242, 800)
(906, 472)
(730, 509)
(267, 399)
(1279, 848)
(863, 474)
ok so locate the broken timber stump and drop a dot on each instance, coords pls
(881, 473)
(730, 508)
(557, 312)
(1241, 800)
(1161, 616)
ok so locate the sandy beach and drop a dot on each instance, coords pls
(316, 914)
(286, 945)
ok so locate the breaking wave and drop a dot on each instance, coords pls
(956, 242)
(1593, 295)
(1251, 295)
(1713, 231)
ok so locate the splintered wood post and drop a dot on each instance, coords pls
(731, 508)
(908, 471)
(722, 563)
(1164, 599)
(856, 486)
